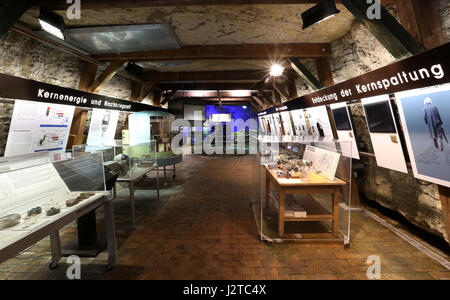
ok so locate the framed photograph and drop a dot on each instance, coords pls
(341, 118)
(344, 130)
(385, 139)
(425, 117)
(379, 117)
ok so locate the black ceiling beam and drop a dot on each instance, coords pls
(387, 30)
(305, 74)
(10, 13)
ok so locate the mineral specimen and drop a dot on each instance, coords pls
(53, 211)
(34, 212)
(72, 202)
(9, 221)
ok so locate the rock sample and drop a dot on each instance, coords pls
(9, 221)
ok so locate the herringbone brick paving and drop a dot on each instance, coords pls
(203, 228)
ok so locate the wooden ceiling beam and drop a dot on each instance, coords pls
(87, 76)
(305, 74)
(146, 90)
(234, 51)
(278, 86)
(421, 19)
(106, 76)
(387, 30)
(255, 75)
(99, 4)
(10, 13)
(324, 71)
(210, 86)
(259, 102)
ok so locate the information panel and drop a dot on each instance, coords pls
(384, 134)
(37, 127)
(102, 128)
(425, 116)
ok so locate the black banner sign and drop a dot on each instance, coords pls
(12, 87)
(423, 70)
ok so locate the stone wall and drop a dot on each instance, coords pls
(354, 54)
(27, 58)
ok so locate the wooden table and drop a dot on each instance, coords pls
(287, 186)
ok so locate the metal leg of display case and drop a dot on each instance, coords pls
(133, 210)
(174, 172)
(165, 176)
(110, 233)
(55, 245)
(157, 182)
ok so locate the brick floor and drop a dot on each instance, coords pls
(203, 228)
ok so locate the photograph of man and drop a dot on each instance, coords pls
(434, 122)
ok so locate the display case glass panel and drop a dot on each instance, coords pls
(38, 193)
(136, 160)
(305, 190)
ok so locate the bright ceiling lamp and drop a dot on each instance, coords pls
(324, 10)
(52, 23)
(276, 70)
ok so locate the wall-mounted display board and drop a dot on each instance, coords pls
(384, 133)
(300, 126)
(277, 124)
(139, 128)
(425, 117)
(344, 129)
(37, 127)
(12, 87)
(319, 122)
(287, 123)
(428, 68)
(102, 128)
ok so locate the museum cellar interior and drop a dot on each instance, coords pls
(225, 140)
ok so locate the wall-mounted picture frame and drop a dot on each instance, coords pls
(386, 142)
(344, 128)
(425, 117)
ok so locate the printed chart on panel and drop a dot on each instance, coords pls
(37, 127)
(383, 133)
(425, 116)
(102, 129)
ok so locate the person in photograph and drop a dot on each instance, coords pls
(434, 122)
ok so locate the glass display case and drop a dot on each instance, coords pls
(37, 191)
(305, 189)
(136, 160)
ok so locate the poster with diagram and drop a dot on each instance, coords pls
(38, 127)
(425, 116)
(102, 129)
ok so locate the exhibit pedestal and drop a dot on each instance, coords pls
(88, 243)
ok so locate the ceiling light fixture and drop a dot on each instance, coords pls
(52, 23)
(276, 70)
(324, 10)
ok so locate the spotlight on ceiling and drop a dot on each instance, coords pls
(52, 23)
(276, 70)
(134, 69)
(325, 9)
(244, 106)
